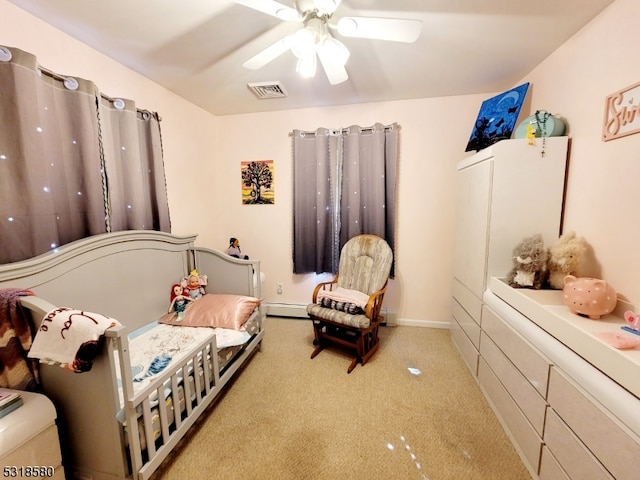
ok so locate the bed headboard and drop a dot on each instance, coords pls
(223, 272)
(124, 275)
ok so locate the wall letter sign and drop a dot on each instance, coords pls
(622, 113)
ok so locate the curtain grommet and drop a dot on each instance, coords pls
(71, 83)
(5, 54)
(118, 104)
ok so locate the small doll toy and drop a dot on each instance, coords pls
(194, 284)
(179, 301)
(234, 249)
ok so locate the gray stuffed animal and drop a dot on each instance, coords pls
(529, 264)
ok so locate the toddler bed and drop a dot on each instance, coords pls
(123, 417)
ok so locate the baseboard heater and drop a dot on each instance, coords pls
(298, 310)
(293, 310)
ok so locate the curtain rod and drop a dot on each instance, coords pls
(58, 76)
(393, 126)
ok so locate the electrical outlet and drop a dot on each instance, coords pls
(279, 290)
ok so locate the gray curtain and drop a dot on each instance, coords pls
(344, 185)
(315, 223)
(51, 187)
(57, 144)
(134, 167)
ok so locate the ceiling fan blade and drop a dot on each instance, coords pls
(270, 53)
(336, 73)
(271, 7)
(394, 29)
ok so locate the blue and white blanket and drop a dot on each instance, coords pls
(155, 347)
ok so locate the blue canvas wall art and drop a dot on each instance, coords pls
(497, 118)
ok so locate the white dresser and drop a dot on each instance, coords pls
(569, 401)
(29, 444)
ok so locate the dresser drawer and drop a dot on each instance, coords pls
(617, 448)
(468, 324)
(525, 436)
(533, 365)
(575, 459)
(465, 347)
(527, 398)
(550, 469)
(471, 303)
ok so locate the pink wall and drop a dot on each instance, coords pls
(203, 155)
(602, 202)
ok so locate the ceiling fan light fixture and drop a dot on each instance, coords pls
(307, 65)
(335, 50)
(315, 43)
(303, 42)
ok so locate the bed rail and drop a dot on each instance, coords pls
(182, 394)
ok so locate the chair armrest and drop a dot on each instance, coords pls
(372, 308)
(323, 285)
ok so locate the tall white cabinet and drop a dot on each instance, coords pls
(505, 192)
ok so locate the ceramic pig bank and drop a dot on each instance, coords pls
(591, 297)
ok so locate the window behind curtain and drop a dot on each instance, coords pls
(57, 145)
(344, 185)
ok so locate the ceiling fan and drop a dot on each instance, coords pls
(315, 39)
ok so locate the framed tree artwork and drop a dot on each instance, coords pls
(257, 178)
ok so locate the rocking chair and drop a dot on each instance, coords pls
(346, 310)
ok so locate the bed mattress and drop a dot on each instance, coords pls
(153, 348)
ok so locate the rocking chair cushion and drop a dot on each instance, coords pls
(350, 308)
(344, 295)
(336, 316)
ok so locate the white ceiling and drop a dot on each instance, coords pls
(196, 48)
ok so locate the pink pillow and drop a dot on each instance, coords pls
(215, 310)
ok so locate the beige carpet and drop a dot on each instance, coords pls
(288, 417)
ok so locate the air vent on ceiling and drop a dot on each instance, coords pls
(267, 89)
